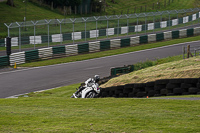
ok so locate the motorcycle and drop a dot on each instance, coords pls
(89, 91)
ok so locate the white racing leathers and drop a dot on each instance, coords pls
(90, 90)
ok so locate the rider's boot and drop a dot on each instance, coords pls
(76, 93)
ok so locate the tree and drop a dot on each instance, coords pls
(113, 1)
(10, 3)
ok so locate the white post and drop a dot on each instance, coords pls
(73, 22)
(34, 31)
(85, 20)
(118, 24)
(8, 26)
(154, 22)
(137, 22)
(48, 29)
(19, 34)
(145, 23)
(128, 16)
(107, 24)
(96, 18)
(60, 30)
(161, 21)
(169, 19)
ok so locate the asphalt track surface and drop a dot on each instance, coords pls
(47, 77)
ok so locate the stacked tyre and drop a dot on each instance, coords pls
(163, 87)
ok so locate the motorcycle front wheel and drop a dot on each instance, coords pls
(90, 94)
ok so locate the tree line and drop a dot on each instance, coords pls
(95, 4)
(56, 3)
(62, 3)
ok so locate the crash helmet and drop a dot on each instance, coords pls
(96, 78)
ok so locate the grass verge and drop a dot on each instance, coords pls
(54, 111)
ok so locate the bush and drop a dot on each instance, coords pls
(142, 65)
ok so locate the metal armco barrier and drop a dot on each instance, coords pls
(75, 49)
(4, 61)
(121, 70)
(163, 87)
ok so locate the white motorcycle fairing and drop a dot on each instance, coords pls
(85, 91)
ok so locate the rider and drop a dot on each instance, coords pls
(89, 82)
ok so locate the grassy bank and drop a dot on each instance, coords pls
(124, 5)
(187, 68)
(54, 111)
(17, 14)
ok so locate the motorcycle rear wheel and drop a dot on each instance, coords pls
(90, 94)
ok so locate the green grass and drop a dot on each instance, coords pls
(150, 63)
(54, 111)
(108, 53)
(131, 4)
(17, 13)
(128, 6)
